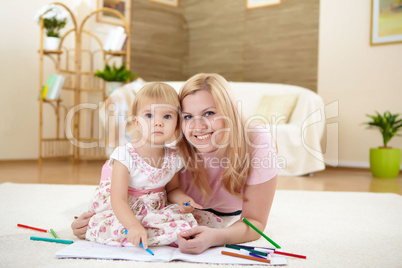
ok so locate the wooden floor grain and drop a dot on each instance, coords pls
(88, 173)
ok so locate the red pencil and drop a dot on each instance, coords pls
(290, 254)
(33, 228)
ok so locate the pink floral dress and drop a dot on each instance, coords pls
(146, 197)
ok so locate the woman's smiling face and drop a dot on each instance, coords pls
(202, 124)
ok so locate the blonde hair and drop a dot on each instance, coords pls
(237, 151)
(157, 93)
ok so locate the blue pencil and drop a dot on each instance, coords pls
(256, 255)
(141, 245)
(51, 240)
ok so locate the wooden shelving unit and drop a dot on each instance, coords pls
(78, 134)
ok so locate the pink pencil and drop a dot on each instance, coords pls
(33, 228)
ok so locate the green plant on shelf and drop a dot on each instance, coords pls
(116, 74)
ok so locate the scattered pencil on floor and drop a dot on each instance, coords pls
(53, 233)
(247, 249)
(267, 249)
(32, 228)
(261, 233)
(290, 254)
(51, 240)
(245, 256)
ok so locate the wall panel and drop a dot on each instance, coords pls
(277, 44)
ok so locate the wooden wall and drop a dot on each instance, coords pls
(281, 43)
(159, 42)
(277, 44)
(216, 33)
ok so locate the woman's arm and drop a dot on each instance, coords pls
(256, 209)
(136, 233)
(176, 195)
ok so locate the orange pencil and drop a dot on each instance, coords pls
(245, 257)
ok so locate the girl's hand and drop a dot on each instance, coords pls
(80, 225)
(137, 234)
(189, 206)
(196, 240)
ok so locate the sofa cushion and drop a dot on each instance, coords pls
(277, 109)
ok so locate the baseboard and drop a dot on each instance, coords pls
(355, 165)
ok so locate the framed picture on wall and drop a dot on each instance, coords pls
(250, 4)
(171, 3)
(386, 22)
(123, 6)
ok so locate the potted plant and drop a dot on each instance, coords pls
(54, 19)
(385, 161)
(115, 77)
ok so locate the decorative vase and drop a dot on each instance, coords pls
(111, 86)
(385, 162)
(52, 43)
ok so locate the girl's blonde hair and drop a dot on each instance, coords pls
(157, 93)
(237, 151)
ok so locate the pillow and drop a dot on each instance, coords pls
(277, 109)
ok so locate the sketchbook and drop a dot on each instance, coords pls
(91, 250)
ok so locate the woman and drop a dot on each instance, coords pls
(230, 166)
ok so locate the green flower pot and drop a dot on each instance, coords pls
(385, 162)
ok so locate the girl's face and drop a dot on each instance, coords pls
(202, 125)
(156, 123)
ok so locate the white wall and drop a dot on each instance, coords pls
(19, 69)
(360, 78)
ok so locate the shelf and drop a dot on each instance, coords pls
(77, 62)
(45, 51)
(51, 100)
(115, 53)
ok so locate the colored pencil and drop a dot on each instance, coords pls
(148, 250)
(290, 254)
(245, 257)
(250, 247)
(141, 245)
(51, 240)
(33, 228)
(247, 249)
(261, 233)
(255, 255)
(53, 233)
(273, 251)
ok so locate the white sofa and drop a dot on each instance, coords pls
(299, 149)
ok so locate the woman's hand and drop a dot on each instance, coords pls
(137, 234)
(196, 240)
(189, 206)
(80, 225)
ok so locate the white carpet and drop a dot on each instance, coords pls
(333, 229)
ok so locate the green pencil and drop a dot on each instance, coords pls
(53, 233)
(51, 240)
(250, 250)
(261, 233)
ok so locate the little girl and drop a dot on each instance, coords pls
(135, 199)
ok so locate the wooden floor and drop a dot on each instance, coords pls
(88, 172)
